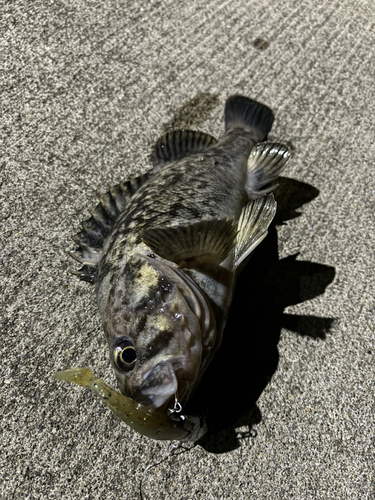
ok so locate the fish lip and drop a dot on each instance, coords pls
(138, 397)
(182, 394)
(159, 386)
(171, 384)
(164, 360)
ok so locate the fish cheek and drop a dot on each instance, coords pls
(159, 343)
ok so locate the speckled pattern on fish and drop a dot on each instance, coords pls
(164, 251)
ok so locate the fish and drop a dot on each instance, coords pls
(164, 250)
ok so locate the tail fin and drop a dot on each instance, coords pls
(241, 112)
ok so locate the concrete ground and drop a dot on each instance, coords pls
(87, 88)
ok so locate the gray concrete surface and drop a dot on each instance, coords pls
(87, 87)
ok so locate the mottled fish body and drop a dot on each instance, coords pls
(164, 251)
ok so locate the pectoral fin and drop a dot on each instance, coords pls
(200, 244)
(253, 225)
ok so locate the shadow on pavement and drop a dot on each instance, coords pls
(248, 356)
(193, 112)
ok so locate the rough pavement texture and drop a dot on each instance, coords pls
(87, 87)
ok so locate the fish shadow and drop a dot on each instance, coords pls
(248, 355)
(193, 112)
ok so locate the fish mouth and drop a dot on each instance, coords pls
(159, 385)
(162, 384)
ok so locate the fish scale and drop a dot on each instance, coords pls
(164, 251)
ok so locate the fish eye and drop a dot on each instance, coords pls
(124, 355)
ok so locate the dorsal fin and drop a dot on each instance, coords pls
(175, 145)
(91, 238)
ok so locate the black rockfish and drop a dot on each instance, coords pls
(164, 251)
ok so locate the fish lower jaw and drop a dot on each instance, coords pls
(158, 386)
(163, 384)
(152, 402)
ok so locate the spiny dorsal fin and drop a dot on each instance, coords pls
(178, 144)
(206, 243)
(266, 162)
(253, 225)
(91, 238)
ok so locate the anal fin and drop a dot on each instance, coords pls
(253, 225)
(178, 144)
(206, 243)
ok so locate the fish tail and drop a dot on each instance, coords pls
(245, 113)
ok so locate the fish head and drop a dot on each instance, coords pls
(159, 332)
